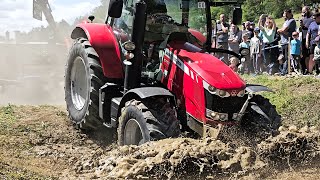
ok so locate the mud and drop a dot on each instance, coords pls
(207, 158)
(40, 142)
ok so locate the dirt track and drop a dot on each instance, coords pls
(39, 142)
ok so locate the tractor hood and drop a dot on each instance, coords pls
(212, 70)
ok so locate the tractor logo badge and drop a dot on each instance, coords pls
(233, 93)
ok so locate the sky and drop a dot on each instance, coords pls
(17, 14)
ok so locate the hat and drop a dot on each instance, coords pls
(256, 29)
(317, 39)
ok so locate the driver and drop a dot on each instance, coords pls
(157, 19)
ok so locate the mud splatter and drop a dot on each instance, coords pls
(177, 158)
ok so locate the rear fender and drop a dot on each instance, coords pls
(103, 40)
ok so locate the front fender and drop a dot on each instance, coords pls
(144, 93)
(103, 40)
(254, 88)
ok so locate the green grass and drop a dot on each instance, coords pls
(7, 117)
(296, 98)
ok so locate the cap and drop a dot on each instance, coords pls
(256, 29)
(317, 39)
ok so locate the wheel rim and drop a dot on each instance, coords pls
(79, 85)
(133, 133)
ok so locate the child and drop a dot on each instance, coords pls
(246, 65)
(255, 51)
(234, 64)
(295, 45)
(316, 57)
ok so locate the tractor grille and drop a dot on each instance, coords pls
(228, 105)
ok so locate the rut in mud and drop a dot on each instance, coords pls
(40, 142)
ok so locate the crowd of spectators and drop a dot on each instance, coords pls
(293, 47)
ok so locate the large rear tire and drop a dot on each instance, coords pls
(152, 120)
(83, 79)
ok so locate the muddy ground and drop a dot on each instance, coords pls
(39, 142)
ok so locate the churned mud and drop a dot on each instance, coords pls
(40, 142)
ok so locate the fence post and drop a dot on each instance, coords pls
(289, 57)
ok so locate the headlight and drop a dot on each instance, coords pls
(212, 89)
(241, 93)
(222, 93)
(129, 46)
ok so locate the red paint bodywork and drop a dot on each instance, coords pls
(198, 35)
(187, 82)
(103, 40)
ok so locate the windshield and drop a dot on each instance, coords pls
(190, 13)
(165, 17)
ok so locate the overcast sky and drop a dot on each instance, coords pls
(17, 14)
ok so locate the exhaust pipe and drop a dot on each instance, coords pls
(133, 71)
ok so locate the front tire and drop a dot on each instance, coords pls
(83, 79)
(261, 126)
(143, 121)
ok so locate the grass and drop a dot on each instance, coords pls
(7, 117)
(296, 98)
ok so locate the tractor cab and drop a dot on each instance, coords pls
(187, 23)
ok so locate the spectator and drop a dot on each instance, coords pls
(295, 45)
(222, 36)
(316, 57)
(313, 32)
(248, 30)
(304, 25)
(285, 32)
(270, 40)
(234, 64)
(255, 51)
(246, 63)
(234, 38)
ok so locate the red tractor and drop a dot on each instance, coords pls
(149, 73)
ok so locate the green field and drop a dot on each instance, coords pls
(297, 99)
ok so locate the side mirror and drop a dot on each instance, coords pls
(115, 8)
(237, 16)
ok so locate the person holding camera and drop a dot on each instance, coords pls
(222, 36)
(268, 29)
(305, 22)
